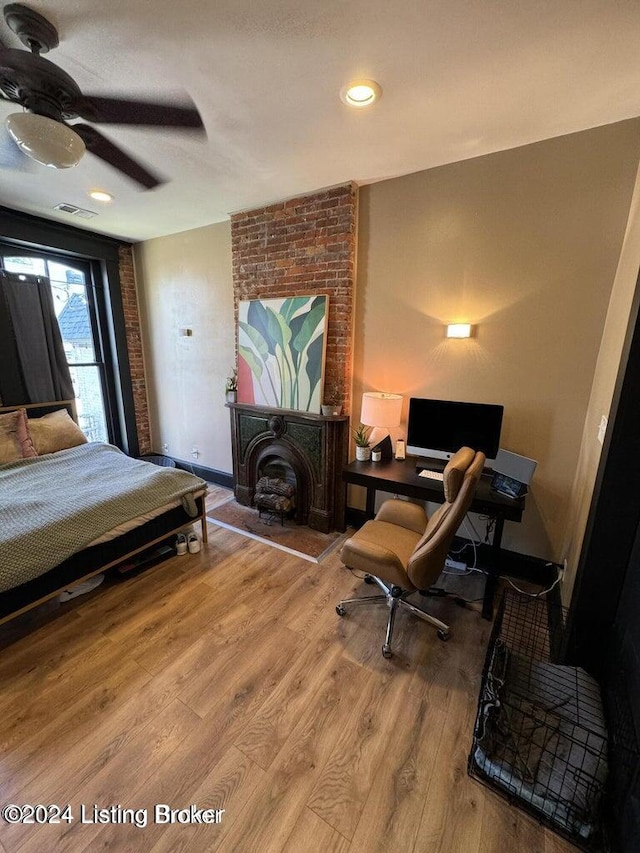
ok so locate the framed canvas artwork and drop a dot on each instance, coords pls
(281, 352)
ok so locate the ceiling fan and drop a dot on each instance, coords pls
(51, 99)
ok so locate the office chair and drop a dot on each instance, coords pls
(402, 550)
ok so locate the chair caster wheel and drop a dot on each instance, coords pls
(444, 635)
(386, 652)
(368, 579)
(340, 610)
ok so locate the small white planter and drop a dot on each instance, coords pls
(231, 396)
(363, 454)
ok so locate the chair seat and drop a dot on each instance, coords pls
(382, 549)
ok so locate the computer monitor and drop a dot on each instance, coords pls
(438, 428)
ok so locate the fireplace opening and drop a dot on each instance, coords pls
(275, 490)
(276, 467)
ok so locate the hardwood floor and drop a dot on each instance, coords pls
(225, 679)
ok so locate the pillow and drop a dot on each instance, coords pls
(56, 431)
(15, 441)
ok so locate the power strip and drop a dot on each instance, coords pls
(455, 565)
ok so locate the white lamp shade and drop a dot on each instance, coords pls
(45, 140)
(381, 410)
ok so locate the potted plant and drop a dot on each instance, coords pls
(361, 438)
(231, 386)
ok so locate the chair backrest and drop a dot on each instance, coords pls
(460, 479)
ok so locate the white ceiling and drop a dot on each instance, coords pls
(460, 78)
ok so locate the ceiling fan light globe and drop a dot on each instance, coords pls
(45, 140)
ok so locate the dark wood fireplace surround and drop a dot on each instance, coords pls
(314, 446)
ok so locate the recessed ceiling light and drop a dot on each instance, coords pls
(360, 93)
(101, 195)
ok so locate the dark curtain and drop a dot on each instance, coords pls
(33, 366)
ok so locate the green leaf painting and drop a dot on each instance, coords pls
(281, 348)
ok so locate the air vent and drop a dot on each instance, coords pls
(65, 207)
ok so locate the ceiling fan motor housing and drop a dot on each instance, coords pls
(38, 85)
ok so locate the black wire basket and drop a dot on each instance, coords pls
(540, 737)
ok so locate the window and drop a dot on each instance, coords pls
(99, 257)
(77, 307)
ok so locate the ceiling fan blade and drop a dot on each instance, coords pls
(109, 152)
(128, 111)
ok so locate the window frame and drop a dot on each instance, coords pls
(22, 233)
(97, 310)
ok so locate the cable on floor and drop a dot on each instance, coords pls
(543, 591)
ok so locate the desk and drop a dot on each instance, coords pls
(401, 478)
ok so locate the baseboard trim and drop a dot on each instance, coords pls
(526, 567)
(220, 478)
(355, 517)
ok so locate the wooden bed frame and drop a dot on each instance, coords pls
(39, 409)
(98, 558)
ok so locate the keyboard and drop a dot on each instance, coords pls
(432, 475)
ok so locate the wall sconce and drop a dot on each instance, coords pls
(459, 330)
(381, 411)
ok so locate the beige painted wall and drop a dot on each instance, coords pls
(602, 390)
(525, 244)
(185, 282)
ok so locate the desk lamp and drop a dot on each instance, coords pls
(381, 411)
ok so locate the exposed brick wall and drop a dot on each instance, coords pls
(134, 347)
(302, 246)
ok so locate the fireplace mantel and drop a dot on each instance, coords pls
(315, 446)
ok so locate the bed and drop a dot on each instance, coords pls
(70, 509)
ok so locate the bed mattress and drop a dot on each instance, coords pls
(54, 506)
(139, 520)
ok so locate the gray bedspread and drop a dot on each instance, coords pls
(53, 506)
